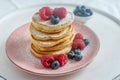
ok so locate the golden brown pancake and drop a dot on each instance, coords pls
(56, 47)
(45, 36)
(40, 53)
(50, 43)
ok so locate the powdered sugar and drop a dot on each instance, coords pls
(43, 35)
(47, 23)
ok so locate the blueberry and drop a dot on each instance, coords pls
(83, 14)
(78, 57)
(89, 11)
(55, 64)
(71, 55)
(75, 11)
(78, 7)
(77, 51)
(86, 41)
(81, 11)
(83, 7)
(55, 19)
(78, 14)
(87, 14)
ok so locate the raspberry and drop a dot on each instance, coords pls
(47, 60)
(62, 58)
(78, 36)
(45, 13)
(60, 12)
(78, 44)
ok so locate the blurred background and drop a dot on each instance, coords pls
(110, 6)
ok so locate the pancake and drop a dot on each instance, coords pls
(47, 27)
(56, 47)
(40, 53)
(45, 36)
(50, 43)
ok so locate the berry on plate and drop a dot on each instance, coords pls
(46, 60)
(62, 58)
(86, 41)
(60, 12)
(78, 44)
(45, 13)
(71, 55)
(55, 64)
(78, 57)
(77, 51)
(78, 36)
(55, 19)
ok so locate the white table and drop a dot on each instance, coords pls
(8, 6)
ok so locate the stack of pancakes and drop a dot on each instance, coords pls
(52, 39)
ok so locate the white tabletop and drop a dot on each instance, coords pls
(8, 6)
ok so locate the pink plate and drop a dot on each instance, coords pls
(18, 51)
